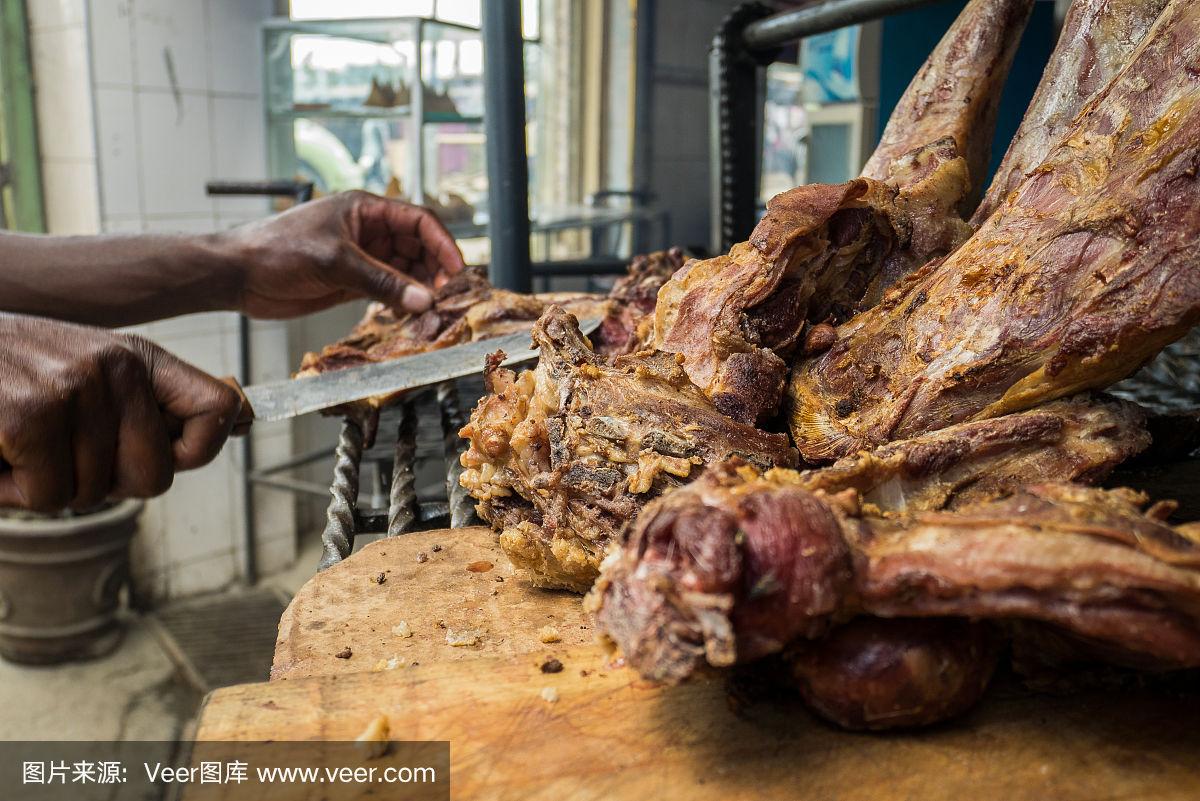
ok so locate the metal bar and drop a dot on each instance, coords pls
(300, 191)
(602, 265)
(338, 536)
(643, 104)
(789, 26)
(507, 163)
(735, 120)
(315, 455)
(249, 518)
(402, 505)
(462, 509)
(291, 485)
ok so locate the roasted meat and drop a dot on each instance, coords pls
(1097, 39)
(821, 251)
(874, 673)
(1083, 273)
(468, 308)
(562, 457)
(736, 566)
(1081, 439)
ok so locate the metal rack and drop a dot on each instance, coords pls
(345, 519)
(745, 43)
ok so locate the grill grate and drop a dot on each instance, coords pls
(406, 511)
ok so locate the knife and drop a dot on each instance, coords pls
(280, 400)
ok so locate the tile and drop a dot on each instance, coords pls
(174, 137)
(110, 28)
(175, 33)
(62, 93)
(206, 575)
(116, 135)
(54, 13)
(190, 326)
(269, 354)
(235, 44)
(200, 518)
(122, 225)
(180, 224)
(276, 555)
(239, 149)
(71, 197)
(215, 353)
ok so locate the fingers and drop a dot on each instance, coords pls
(384, 283)
(94, 446)
(206, 407)
(41, 477)
(407, 225)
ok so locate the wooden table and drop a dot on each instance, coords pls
(610, 735)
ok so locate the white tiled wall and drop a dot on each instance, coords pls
(140, 102)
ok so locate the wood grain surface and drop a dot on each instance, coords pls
(608, 735)
(452, 590)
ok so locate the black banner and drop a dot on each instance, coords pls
(229, 771)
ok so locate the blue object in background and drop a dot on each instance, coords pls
(909, 38)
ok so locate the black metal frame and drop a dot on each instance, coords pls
(746, 42)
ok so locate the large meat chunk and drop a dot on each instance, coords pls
(821, 251)
(1083, 274)
(1081, 439)
(736, 566)
(562, 457)
(1097, 39)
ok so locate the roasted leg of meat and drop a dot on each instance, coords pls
(822, 250)
(1084, 273)
(874, 673)
(1097, 39)
(736, 566)
(562, 457)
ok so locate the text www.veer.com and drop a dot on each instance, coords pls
(347, 775)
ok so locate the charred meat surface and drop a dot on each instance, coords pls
(562, 457)
(1097, 39)
(1083, 274)
(957, 92)
(737, 565)
(823, 251)
(468, 308)
(1080, 439)
(874, 673)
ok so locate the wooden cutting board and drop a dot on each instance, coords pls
(447, 582)
(609, 735)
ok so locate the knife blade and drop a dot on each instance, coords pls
(280, 400)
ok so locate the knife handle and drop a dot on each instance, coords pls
(245, 415)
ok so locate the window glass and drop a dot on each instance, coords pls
(353, 9)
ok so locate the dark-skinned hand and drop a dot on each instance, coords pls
(343, 247)
(88, 414)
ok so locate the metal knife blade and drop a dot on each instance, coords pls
(280, 400)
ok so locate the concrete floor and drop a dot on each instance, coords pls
(134, 693)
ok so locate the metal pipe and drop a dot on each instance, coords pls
(789, 26)
(507, 162)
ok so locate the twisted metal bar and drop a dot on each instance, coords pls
(462, 508)
(338, 537)
(402, 506)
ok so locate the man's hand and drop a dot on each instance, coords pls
(87, 414)
(342, 247)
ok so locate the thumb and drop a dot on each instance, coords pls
(205, 407)
(384, 283)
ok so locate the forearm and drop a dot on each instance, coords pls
(119, 280)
